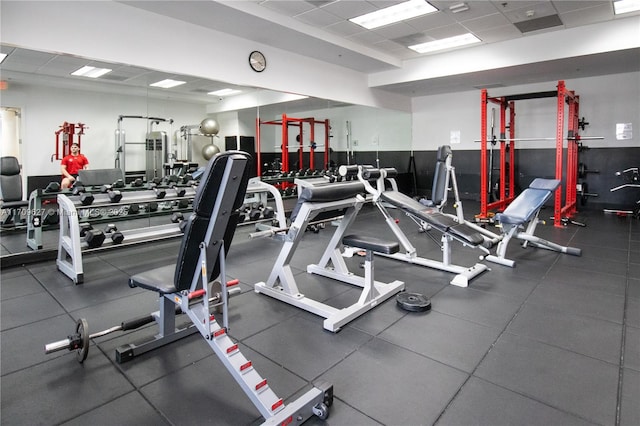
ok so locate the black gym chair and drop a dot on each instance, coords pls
(11, 190)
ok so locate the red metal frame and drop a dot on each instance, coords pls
(573, 138)
(68, 131)
(285, 122)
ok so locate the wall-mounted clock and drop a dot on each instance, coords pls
(257, 61)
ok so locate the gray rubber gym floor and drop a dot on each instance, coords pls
(553, 341)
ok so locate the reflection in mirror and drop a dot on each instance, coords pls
(152, 133)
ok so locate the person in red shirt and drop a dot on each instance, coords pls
(71, 164)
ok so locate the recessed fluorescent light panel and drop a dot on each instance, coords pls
(396, 13)
(2, 56)
(91, 72)
(626, 6)
(225, 92)
(167, 84)
(445, 43)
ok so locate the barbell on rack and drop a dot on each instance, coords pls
(581, 138)
(79, 340)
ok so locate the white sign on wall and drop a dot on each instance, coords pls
(623, 131)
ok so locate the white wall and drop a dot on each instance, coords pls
(604, 101)
(45, 109)
(372, 129)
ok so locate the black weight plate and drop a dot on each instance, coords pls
(82, 330)
(414, 302)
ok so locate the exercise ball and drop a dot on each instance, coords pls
(209, 127)
(208, 151)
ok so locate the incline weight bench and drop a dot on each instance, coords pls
(524, 209)
(185, 286)
(427, 218)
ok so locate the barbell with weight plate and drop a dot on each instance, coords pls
(79, 340)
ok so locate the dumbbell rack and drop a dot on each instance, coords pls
(71, 247)
(37, 209)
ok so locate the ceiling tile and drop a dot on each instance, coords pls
(486, 22)
(534, 11)
(395, 30)
(476, 9)
(318, 17)
(493, 35)
(347, 9)
(287, 7)
(432, 20)
(563, 6)
(444, 32)
(591, 15)
(344, 28)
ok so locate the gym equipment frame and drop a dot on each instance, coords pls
(314, 202)
(426, 218)
(285, 122)
(562, 95)
(524, 209)
(70, 247)
(68, 131)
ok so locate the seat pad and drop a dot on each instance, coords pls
(159, 279)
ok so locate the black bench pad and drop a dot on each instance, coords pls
(159, 279)
(370, 243)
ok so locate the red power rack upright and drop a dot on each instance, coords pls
(563, 97)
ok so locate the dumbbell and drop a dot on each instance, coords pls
(268, 212)
(51, 217)
(112, 231)
(114, 196)
(52, 187)
(152, 206)
(178, 218)
(180, 192)
(92, 237)
(118, 183)
(133, 209)
(182, 203)
(138, 182)
(160, 193)
(85, 198)
(254, 214)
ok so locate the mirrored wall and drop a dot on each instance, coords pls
(117, 116)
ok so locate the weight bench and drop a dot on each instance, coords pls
(97, 177)
(324, 202)
(525, 209)
(185, 286)
(431, 218)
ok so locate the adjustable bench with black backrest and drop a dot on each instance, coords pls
(185, 287)
(524, 210)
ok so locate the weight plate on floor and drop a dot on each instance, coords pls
(414, 302)
(82, 330)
